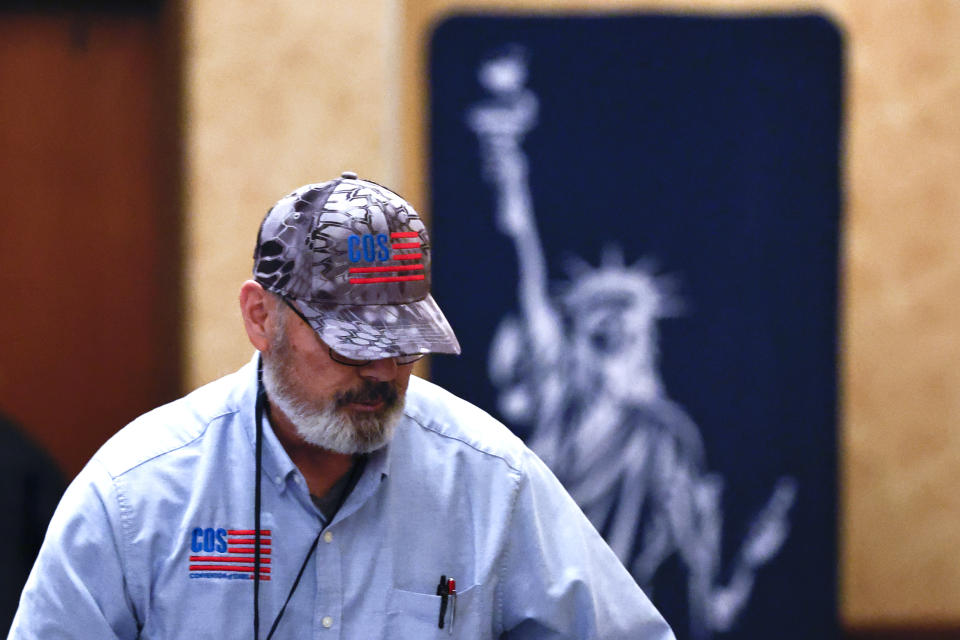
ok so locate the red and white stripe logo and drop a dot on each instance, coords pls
(236, 561)
(406, 259)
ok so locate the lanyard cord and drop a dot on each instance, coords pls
(258, 416)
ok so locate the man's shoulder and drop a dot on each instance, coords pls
(174, 426)
(439, 413)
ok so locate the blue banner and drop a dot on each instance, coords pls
(636, 232)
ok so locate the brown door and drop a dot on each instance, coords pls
(89, 224)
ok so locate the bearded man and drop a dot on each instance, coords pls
(323, 491)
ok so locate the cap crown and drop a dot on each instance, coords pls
(344, 242)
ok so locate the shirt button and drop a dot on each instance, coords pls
(327, 622)
(328, 536)
(277, 480)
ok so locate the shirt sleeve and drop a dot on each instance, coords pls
(560, 580)
(78, 588)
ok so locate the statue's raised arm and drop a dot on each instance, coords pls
(501, 122)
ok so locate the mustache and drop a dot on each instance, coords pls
(370, 393)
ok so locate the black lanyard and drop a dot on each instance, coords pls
(258, 417)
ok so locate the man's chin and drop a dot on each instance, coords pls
(373, 429)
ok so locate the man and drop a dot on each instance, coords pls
(366, 503)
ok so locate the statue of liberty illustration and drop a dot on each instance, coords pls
(580, 370)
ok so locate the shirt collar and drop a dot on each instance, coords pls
(277, 465)
(378, 462)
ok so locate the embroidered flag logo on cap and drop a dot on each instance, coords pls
(354, 258)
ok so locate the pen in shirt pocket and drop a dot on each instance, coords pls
(447, 590)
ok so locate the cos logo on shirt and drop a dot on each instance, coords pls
(222, 553)
(208, 540)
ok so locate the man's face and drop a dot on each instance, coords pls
(342, 408)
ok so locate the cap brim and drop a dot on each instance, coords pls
(372, 332)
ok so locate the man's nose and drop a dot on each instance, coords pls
(380, 370)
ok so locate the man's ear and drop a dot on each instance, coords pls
(256, 306)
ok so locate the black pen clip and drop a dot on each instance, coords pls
(444, 593)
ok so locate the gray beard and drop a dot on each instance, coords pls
(328, 426)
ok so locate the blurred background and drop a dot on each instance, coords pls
(141, 143)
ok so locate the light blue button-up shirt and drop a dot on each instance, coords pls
(152, 540)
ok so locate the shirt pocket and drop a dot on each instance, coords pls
(417, 615)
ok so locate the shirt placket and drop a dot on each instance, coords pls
(328, 608)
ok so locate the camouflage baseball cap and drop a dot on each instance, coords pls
(354, 258)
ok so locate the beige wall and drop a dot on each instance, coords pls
(284, 95)
(278, 94)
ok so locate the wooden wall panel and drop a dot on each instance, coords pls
(89, 245)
